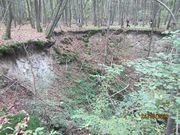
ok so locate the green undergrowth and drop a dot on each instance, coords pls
(85, 38)
(67, 41)
(24, 124)
(82, 92)
(112, 102)
(108, 103)
(65, 56)
(13, 121)
(86, 67)
(16, 48)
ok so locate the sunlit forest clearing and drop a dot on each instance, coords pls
(89, 67)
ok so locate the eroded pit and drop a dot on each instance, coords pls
(47, 72)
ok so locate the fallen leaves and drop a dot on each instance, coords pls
(22, 34)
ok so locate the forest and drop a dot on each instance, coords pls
(89, 67)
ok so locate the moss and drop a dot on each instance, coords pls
(67, 41)
(85, 38)
(86, 67)
(40, 44)
(5, 50)
(65, 57)
(88, 49)
(16, 48)
(61, 32)
(93, 32)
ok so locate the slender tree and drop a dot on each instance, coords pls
(56, 17)
(37, 4)
(8, 21)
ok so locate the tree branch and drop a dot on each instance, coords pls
(168, 9)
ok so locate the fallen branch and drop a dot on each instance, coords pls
(119, 91)
(13, 80)
(35, 95)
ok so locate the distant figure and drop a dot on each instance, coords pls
(151, 23)
(79, 22)
(173, 25)
(127, 21)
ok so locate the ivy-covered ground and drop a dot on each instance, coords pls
(132, 93)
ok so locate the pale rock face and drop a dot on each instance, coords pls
(38, 69)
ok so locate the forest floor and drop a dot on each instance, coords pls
(25, 32)
(21, 34)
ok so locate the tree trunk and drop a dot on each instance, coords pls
(56, 17)
(7, 34)
(44, 13)
(122, 16)
(174, 12)
(30, 14)
(108, 33)
(94, 13)
(159, 19)
(170, 126)
(38, 15)
(119, 11)
(70, 13)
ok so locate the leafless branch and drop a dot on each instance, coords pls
(168, 9)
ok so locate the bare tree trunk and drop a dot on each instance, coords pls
(75, 11)
(81, 13)
(51, 7)
(108, 31)
(167, 8)
(38, 15)
(30, 14)
(119, 12)
(144, 14)
(159, 19)
(94, 12)
(155, 6)
(174, 12)
(170, 127)
(122, 15)
(56, 17)
(44, 13)
(66, 15)
(70, 13)
(7, 34)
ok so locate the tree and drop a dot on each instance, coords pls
(56, 17)
(8, 21)
(30, 15)
(94, 12)
(37, 4)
